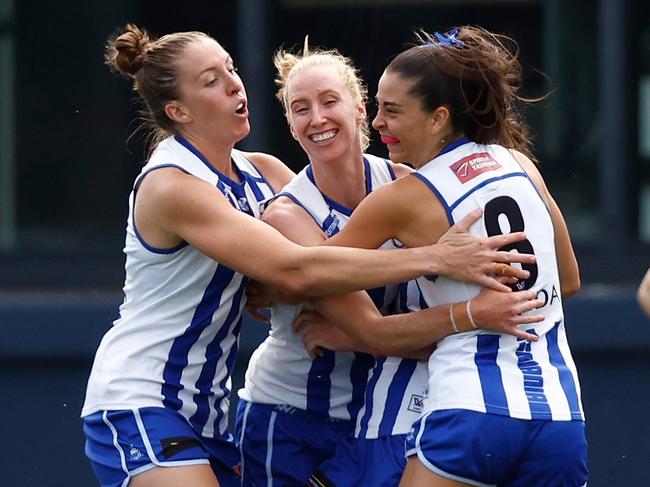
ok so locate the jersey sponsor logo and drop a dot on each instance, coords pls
(471, 166)
(532, 373)
(135, 453)
(331, 225)
(284, 408)
(416, 403)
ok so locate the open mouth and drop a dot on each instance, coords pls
(241, 108)
(323, 137)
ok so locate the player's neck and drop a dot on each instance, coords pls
(342, 180)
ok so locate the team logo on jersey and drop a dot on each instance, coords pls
(416, 403)
(243, 204)
(471, 166)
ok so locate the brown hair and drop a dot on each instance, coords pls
(476, 74)
(288, 64)
(151, 63)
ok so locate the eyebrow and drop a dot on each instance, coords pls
(214, 68)
(327, 91)
(390, 104)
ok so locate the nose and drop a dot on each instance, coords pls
(317, 116)
(378, 122)
(236, 84)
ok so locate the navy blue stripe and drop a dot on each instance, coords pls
(403, 297)
(231, 182)
(484, 183)
(453, 145)
(566, 377)
(331, 203)
(370, 389)
(319, 384)
(421, 298)
(533, 381)
(368, 176)
(438, 195)
(297, 201)
(188, 145)
(252, 183)
(136, 186)
(389, 166)
(378, 296)
(395, 395)
(494, 395)
(178, 354)
(213, 353)
(230, 364)
(359, 370)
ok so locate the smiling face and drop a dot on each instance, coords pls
(323, 115)
(410, 133)
(213, 99)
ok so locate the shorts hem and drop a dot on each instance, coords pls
(448, 475)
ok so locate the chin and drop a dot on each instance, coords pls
(242, 134)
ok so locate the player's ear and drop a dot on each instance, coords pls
(438, 119)
(293, 131)
(177, 112)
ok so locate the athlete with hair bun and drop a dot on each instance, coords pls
(156, 405)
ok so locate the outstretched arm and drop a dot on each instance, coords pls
(402, 334)
(419, 219)
(178, 207)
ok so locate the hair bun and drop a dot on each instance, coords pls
(126, 52)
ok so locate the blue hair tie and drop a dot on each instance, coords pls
(448, 39)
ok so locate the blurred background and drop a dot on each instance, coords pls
(67, 163)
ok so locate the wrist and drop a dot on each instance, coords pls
(435, 260)
(461, 317)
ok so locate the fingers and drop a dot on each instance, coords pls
(498, 241)
(314, 351)
(303, 320)
(510, 271)
(530, 305)
(256, 314)
(469, 220)
(523, 335)
(493, 283)
(507, 280)
(510, 257)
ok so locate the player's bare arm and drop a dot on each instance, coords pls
(421, 220)
(566, 259)
(185, 207)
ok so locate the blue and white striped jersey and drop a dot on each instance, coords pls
(280, 370)
(397, 387)
(175, 341)
(487, 372)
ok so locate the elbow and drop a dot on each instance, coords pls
(295, 286)
(572, 287)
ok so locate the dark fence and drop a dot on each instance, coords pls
(49, 341)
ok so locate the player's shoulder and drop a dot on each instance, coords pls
(272, 168)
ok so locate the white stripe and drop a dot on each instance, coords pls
(117, 447)
(241, 439)
(435, 469)
(512, 377)
(269, 450)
